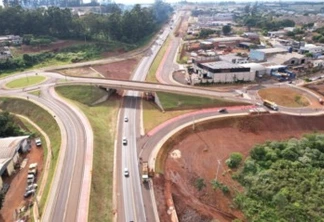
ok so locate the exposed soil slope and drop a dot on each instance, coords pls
(196, 155)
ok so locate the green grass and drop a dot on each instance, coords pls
(25, 81)
(155, 65)
(82, 94)
(45, 121)
(102, 118)
(36, 92)
(172, 101)
(153, 116)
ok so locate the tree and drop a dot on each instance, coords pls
(200, 184)
(8, 126)
(226, 29)
(234, 160)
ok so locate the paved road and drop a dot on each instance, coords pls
(68, 178)
(130, 202)
(77, 136)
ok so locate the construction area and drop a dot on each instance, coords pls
(200, 154)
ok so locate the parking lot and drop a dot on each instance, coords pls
(14, 199)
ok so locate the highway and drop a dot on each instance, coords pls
(71, 184)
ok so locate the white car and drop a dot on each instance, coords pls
(126, 119)
(126, 172)
(31, 187)
(124, 141)
(33, 166)
(38, 142)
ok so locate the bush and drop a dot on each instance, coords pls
(234, 160)
(200, 184)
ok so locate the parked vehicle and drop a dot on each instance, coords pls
(33, 166)
(31, 187)
(30, 181)
(38, 142)
(33, 172)
(29, 193)
(126, 119)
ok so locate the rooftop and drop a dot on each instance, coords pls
(281, 58)
(221, 65)
(228, 39)
(8, 147)
(272, 50)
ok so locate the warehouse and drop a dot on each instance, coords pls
(258, 69)
(10, 148)
(222, 71)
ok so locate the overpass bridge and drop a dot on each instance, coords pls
(154, 87)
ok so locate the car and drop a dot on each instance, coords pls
(38, 142)
(29, 193)
(33, 172)
(126, 172)
(30, 181)
(124, 141)
(30, 176)
(31, 187)
(222, 110)
(126, 119)
(33, 166)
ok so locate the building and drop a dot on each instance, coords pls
(252, 36)
(10, 148)
(234, 59)
(222, 71)
(228, 41)
(318, 63)
(311, 48)
(277, 34)
(10, 40)
(289, 59)
(5, 53)
(263, 54)
(258, 69)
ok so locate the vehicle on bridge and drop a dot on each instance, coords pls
(270, 105)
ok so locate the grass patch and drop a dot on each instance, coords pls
(83, 94)
(25, 81)
(172, 101)
(284, 97)
(152, 116)
(102, 118)
(155, 65)
(45, 121)
(36, 92)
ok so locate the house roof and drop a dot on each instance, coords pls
(272, 50)
(282, 58)
(8, 147)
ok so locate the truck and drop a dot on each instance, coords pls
(145, 172)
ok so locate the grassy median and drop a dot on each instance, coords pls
(102, 118)
(157, 61)
(25, 81)
(45, 121)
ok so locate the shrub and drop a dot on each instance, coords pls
(234, 160)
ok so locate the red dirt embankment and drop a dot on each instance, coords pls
(197, 156)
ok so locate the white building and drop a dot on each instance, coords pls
(222, 71)
(311, 48)
(10, 148)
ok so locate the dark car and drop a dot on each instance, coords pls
(222, 110)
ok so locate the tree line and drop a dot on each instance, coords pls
(129, 26)
(284, 181)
